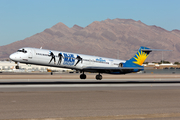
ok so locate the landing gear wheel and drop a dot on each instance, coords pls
(83, 76)
(98, 77)
(17, 67)
(51, 73)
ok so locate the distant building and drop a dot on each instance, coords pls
(161, 66)
(10, 66)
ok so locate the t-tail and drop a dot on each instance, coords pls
(139, 58)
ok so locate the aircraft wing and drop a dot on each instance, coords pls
(112, 69)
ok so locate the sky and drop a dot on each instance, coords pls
(20, 19)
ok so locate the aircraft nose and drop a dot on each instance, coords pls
(12, 56)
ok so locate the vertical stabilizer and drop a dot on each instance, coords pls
(139, 58)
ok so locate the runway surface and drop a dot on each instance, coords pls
(74, 99)
(50, 85)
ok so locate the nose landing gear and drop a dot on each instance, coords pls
(17, 66)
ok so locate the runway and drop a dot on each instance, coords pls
(28, 85)
(74, 99)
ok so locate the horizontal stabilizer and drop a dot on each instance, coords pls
(150, 50)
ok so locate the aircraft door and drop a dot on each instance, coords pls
(30, 54)
(111, 63)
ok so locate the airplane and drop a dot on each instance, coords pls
(81, 62)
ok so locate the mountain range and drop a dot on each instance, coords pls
(114, 38)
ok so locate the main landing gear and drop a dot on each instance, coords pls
(98, 77)
(83, 76)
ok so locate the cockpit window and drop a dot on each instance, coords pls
(23, 50)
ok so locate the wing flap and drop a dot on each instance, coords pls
(112, 68)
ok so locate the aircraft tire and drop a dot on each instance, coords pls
(83, 76)
(98, 77)
(17, 67)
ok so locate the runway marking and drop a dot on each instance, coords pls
(34, 83)
(117, 117)
(87, 80)
(88, 85)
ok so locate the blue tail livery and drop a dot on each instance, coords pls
(139, 58)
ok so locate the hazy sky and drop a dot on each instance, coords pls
(20, 19)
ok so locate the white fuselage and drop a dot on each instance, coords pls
(68, 60)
